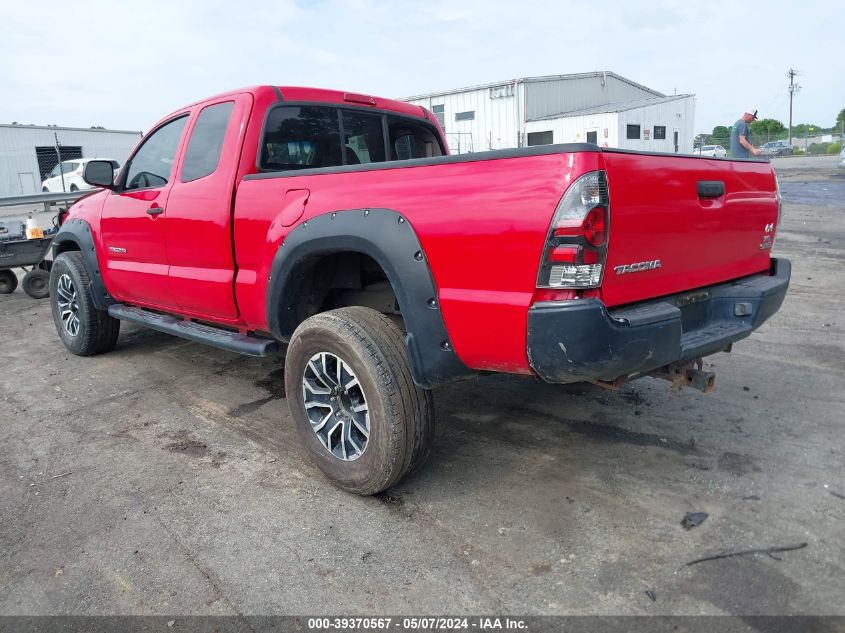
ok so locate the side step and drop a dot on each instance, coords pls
(216, 337)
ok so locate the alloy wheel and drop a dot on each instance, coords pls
(68, 306)
(336, 406)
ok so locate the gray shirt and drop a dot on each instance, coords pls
(740, 128)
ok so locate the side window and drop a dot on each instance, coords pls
(301, 137)
(411, 140)
(363, 138)
(206, 143)
(69, 167)
(152, 164)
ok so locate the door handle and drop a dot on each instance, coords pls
(155, 210)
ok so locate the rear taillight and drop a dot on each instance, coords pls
(576, 246)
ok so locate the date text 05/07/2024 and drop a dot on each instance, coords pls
(416, 623)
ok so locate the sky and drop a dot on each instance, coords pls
(124, 65)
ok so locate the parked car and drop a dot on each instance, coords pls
(338, 225)
(776, 148)
(71, 172)
(711, 150)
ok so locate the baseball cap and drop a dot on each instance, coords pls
(751, 111)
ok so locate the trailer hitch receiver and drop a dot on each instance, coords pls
(687, 374)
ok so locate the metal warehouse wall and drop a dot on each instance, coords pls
(574, 129)
(611, 127)
(19, 173)
(496, 122)
(548, 96)
(675, 115)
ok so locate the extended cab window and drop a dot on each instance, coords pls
(152, 164)
(411, 140)
(363, 137)
(206, 144)
(301, 137)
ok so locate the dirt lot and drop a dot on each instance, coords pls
(165, 477)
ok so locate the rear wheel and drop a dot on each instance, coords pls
(74, 188)
(83, 328)
(36, 283)
(8, 282)
(361, 417)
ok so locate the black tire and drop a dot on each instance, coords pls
(45, 190)
(401, 414)
(97, 331)
(74, 188)
(8, 282)
(36, 283)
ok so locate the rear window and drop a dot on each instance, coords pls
(363, 137)
(306, 137)
(301, 137)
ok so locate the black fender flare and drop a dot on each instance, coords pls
(74, 235)
(388, 238)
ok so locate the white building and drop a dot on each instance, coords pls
(29, 152)
(598, 107)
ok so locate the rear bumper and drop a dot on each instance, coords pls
(580, 340)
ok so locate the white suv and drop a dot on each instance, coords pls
(71, 172)
(711, 150)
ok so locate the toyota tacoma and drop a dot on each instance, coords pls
(337, 228)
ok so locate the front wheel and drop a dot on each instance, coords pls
(83, 328)
(358, 412)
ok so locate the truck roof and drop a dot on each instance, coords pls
(322, 95)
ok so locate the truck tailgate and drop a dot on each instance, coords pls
(679, 223)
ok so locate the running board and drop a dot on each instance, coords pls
(216, 337)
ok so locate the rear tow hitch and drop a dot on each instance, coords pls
(687, 374)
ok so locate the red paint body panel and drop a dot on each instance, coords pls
(484, 259)
(482, 225)
(199, 225)
(655, 213)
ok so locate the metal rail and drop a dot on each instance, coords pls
(47, 199)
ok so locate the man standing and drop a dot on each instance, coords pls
(741, 146)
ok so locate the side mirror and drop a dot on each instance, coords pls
(99, 173)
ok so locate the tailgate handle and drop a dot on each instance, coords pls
(711, 188)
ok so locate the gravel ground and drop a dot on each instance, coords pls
(165, 478)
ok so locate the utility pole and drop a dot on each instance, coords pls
(793, 88)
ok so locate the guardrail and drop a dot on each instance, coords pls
(47, 199)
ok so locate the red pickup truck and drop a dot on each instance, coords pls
(338, 225)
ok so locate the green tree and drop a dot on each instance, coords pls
(840, 120)
(806, 128)
(767, 128)
(720, 135)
